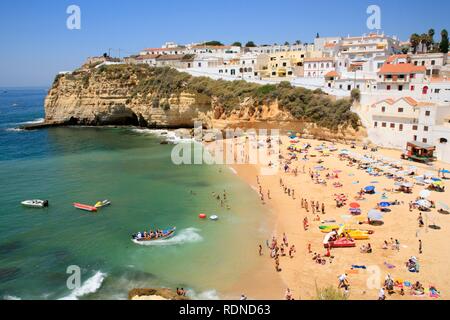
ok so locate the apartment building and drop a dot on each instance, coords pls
(396, 122)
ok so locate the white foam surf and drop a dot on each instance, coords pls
(205, 295)
(36, 121)
(14, 130)
(189, 235)
(8, 297)
(91, 285)
(169, 136)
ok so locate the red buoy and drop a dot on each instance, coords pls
(202, 216)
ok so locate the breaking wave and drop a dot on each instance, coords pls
(7, 297)
(91, 285)
(189, 235)
(36, 121)
(205, 295)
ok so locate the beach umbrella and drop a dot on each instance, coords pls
(443, 205)
(436, 179)
(407, 184)
(424, 203)
(428, 174)
(375, 215)
(354, 205)
(445, 171)
(384, 204)
(369, 188)
(425, 194)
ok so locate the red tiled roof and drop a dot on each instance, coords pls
(411, 101)
(395, 57)
(403, 68)
(332, 74)
(318, 59)
(147, 56)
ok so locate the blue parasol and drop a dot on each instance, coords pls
(384, 204)
(369, 188)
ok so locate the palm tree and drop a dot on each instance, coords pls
(443, 46)
(431, 34)
(298, 42)
(415, 41)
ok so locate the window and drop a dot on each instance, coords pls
(433, 62)
(400, 127)
(400, 88)
(412, 88)
(400, 109)
(415, 138)
(425, 128)
(383, 124)
(414, 128)
(427, 113)
(388, 87)
(424, 140)
(392, 125)
(383, 109)
(425, 90)
(375, 124)
(443, 140)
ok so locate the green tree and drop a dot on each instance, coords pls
(356, 95)
(415, 41)
(237, 44)
(250, 44)
(298, 42)
(286, 43)
(213, 43)
(443, 46)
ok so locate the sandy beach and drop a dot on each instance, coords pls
(301, 274)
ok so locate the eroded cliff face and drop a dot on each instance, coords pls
(90, 97)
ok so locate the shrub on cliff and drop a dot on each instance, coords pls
(153, 84)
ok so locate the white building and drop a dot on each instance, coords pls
(318, 67)
(369, 46)
(396, 122)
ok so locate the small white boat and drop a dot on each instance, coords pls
(35, 203)
(214, 218)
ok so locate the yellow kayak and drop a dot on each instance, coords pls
(358, 234)
(328, 229)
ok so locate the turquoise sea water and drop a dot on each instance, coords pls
(132, 169)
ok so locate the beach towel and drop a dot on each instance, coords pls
(352, 271)
(389, 266)
(358, 267)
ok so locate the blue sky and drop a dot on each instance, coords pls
(35, 43)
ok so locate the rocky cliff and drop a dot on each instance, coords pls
(164, 98)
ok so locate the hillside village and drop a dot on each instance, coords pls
(401, 89)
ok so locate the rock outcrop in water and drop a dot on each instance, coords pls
(149, 97)
(154, 294)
